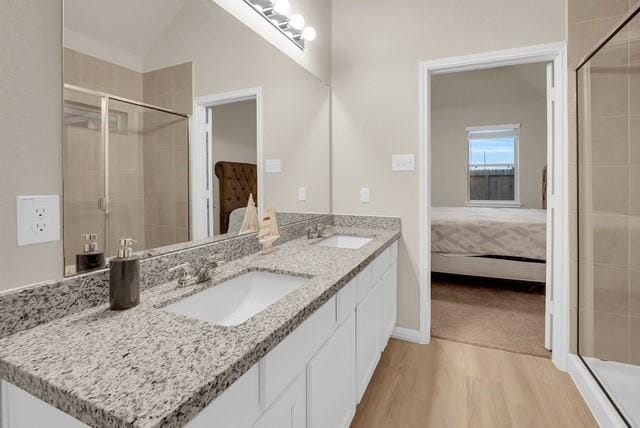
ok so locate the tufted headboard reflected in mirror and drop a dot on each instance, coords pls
(236, 181)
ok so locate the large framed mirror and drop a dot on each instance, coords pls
(175, 115)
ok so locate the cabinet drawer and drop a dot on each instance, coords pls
(23, 410)
(365, 282)
(288, 411)
(238, 406)
(380, 264)
(346, 300)
(280, 366)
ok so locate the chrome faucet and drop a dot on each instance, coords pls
(185, 275)
(207, 266)
(316, 231)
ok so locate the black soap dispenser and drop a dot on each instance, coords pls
(124, 277)
(90, 258)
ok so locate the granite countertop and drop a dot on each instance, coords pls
(145, 367)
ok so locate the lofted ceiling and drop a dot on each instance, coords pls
(130, 26)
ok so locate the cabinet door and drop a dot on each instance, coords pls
(331, 380)
(368, 333)
(289, 410)
(389, 303)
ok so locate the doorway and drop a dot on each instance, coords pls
(556, 270)
(239, 116)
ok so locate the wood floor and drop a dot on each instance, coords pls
(451, 384)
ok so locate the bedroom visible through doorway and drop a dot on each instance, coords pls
(489, 219)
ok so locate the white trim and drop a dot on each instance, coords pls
(494, 204)
(516, 165)
(600, 406)
(409, 335)
(555, 52)
(199, 193)
(484, 128)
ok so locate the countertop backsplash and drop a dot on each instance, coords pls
(30, 306)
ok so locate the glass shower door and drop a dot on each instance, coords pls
(608, 86)
(83, 173)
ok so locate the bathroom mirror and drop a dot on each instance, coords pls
(175, 112)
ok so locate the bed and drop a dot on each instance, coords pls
(507, 243)
(236, 182)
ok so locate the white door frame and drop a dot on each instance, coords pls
(558, 197)
(199, 171)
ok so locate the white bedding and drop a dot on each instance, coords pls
(513, 232)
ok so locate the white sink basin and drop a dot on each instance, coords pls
(345, 241)
(234, 301)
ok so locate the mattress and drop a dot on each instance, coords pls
(500, 232)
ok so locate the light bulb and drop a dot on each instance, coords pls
(309, 34)
(297, 21)
(282, 7)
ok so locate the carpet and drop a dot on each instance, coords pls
(497, 314)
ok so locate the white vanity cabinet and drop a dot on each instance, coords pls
(368, 334)
(311, 379)
(331, 380)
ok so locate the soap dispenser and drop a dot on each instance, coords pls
(90, 258)
(124, 277)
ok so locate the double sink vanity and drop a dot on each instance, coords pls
(286, 339)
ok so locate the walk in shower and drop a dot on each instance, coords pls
(126, 173)
(608, 89)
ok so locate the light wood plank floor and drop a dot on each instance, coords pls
(451, 384)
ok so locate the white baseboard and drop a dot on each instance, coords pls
(409, 335)
(600, 406)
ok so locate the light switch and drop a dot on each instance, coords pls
(38, 219)
(302, 193)
(272, 166)
(364, 194)
(403, 162)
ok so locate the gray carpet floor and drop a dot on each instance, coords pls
(493, 313)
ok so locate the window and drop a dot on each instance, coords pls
(493, 165)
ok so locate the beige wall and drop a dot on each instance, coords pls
(295, 104)
(31, 124)
(234, 140)
(316, 57)
(497, 96)
(377, 46)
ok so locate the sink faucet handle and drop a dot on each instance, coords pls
(184, 273)
(215, 260)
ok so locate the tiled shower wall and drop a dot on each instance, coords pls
(166, 155)
(589, 22)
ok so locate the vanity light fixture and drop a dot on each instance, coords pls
(278, 13)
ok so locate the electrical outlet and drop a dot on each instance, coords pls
(38, 219)
(403, 162)
(40, 227)
(302, 193)
(40, 212)
(364, 195)
(273, 166)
